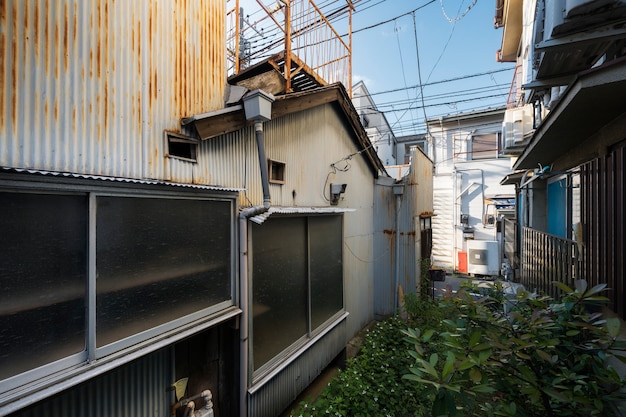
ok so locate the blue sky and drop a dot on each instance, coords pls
(385, 58)
(456, 39)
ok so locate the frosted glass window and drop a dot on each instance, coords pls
(158, 260)
(297, 280)
(279, 289)
(43, 269)
(325, 236)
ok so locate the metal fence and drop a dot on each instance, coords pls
(547, 258)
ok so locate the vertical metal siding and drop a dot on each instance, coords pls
(136, 389)
(308, 143)
(275, 396)
(89, 87)
(417, 198)
(443, 223)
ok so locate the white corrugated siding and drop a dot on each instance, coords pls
(443, 223)
(89, 86)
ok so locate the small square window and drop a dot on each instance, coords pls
(180, 146)
(276, 171)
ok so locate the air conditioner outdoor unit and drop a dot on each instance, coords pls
(517, 124)
(483, 257)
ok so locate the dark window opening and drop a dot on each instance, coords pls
(276, 172)
(181, 146)
(485, 146)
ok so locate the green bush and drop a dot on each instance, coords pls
(372, 383)
(539, 358)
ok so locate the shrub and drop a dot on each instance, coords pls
(372, 383)
(540, 358)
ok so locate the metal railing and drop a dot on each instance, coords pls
(547, 258)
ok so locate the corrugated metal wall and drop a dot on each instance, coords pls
(136, 389)
(443, 223)
(89, 86)
(308, 143)
(270, 399)
(417, 198)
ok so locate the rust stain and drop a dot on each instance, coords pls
(139, 46)
(99, 46)
(46, 38)
(66, 34)
(56, 43)
(36, 31)
(3, 52)
(75, 32)
(14, 69)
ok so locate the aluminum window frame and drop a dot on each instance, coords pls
(38, 383)
(287, 355)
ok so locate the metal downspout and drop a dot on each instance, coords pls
(397, 271)
(243, 269)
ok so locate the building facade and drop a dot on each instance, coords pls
(566, 119)
(469, 164)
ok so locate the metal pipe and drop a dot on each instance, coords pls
(397, 253)
(243, 269)
(258, 129)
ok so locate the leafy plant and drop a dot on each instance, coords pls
(372, 383)
(537, 358)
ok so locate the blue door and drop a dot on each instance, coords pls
(557, 208)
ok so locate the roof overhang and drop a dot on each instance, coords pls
(511, 22)
(591, 102)
(275, 210)
(231, 119)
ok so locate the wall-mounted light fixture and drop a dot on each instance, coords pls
(335, 192)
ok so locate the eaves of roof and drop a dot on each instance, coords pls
(591, 102)
(221, 122)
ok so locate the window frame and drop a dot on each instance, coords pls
(311, 334)
(491, 153)
(276, 171)
(181, 140)
(68, 371)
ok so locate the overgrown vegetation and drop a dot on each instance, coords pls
(533, 358)
(480, 353)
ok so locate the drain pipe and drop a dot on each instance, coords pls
(257, 105)
(398, 190)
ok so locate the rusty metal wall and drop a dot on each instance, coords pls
(417, 198)
(309, 143)
(89, 86)
(603, 216)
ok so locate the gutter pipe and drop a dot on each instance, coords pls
(243, 269)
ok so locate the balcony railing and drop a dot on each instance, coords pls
(547, 258)
(516, 95)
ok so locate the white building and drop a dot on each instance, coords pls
(376, 126)
(466, 149)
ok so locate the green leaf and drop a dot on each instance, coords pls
(427, 335)
(543, 355)
(474, 338)
(581, 285)
(448, 367)
(564, 287)
(475, 375)
(613, 326)
(484, 388)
